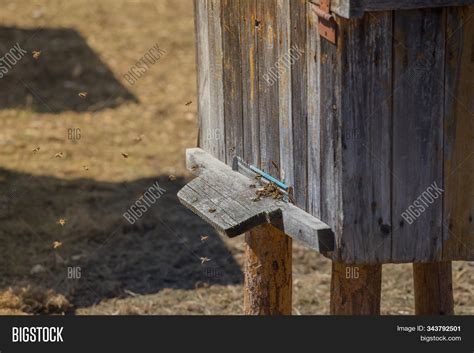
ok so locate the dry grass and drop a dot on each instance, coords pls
(152, 267)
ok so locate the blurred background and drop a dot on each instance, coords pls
(80, 143)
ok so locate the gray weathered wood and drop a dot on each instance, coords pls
(365, 123)
(286, 142)
(251, 125)
(458, 227)
(267, 41)
(418, 131)
(210, 73)
(232, 79)
(223, 198)
(330, 137)
(313, 56)
(203, 80)
(299, 101)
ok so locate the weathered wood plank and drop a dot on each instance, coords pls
(267, 39)
(458, 230)
(299, 93)
(203, 79)
(285, 59)
(223, 198)
(313, 55)
(330, 95)
(365, 123)
(232, 56)
(251, 125)
(417, 134)
(214, 133)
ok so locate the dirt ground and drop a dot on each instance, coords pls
(65, 248)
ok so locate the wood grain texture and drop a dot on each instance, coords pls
(355, 289)
(232, 78)
(365, 120)
(268, 272)
(214, 132)
(203, 79)
(458, 227)
(331, 144)
(299, 82)
(267, 41)
(285, 58)
(251, 125)
(313, 54)
(433, 285)
(418, 132)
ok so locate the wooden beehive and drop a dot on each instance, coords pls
(361, 128)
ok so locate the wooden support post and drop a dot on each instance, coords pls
(355, 289)
(268, 272)
(433, 288)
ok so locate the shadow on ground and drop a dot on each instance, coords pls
(115, 259)
(65, 67)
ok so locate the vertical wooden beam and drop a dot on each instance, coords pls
(299, 105)
(251, 124)
(286, 58)
(433, 288)
(202, 68)
(232, 78)
(268, 273)
(313, 59)
(210, 77)
(355, 289)
(268, 89)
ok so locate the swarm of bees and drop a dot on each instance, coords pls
(269, 190)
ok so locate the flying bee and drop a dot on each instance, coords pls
(204, 260)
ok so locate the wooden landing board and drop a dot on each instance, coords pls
(224, 199)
